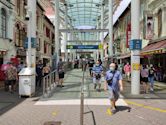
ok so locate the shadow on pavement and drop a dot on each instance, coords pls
(123, 108)
(9, 101)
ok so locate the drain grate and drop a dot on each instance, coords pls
(52, 123)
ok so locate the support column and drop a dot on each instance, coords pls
(110, 27)
(31, 31)
(135, 58)
(66, 34)
(57, 47)
(98, 37)
(102, 27)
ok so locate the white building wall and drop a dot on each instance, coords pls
(7, 43)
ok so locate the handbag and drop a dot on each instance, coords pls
(98, 76)
(110, 80)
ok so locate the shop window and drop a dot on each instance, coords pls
(17, 35)
(37, 20)
(159, 22)
(20, 36)
(47, 32)
(53, 37)
(45, 47)
(23, 36)
(24, 9)
(18, 7)
(3, 33)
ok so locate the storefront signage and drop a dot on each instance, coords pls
(128, 35)
(135, 44)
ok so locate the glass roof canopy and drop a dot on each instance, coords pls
(83, 13)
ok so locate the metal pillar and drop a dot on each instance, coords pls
(31, 52)
(98, 37)
(57, 47)
(66, 34)
(102, 26)
(110, 27)
(28, 55)
(135, 34)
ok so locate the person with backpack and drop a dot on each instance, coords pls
(114, 85)
(97, 72)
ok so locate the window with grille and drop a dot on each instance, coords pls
(3, 33)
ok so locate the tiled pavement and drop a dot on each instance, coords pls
(26, 112)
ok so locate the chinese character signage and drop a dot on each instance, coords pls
(135, 44)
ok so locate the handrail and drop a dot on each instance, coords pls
(49, 83)
(82, 98)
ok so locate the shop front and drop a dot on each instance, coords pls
(155, 54)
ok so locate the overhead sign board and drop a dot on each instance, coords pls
(82, 46)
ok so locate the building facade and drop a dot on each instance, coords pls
(48, 40)
(152, 33)
(20, 28)
(7, 47)
(44, 33)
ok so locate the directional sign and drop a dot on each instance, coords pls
(135, 44)
(82, 47)
(33, 43)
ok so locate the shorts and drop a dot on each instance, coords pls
(61, 75)
(11, 82)
(145, 79)
(113, 95)
(96, 81)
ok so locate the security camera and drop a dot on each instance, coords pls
(27, 16)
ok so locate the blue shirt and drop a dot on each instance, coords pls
(97, 69)
(116, 78)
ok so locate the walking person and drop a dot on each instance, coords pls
(11, 77)
(97, 72)
(90, 65)
(151, 78)
(144, 75)
(127, 70)
(39, 74)
(46, 69)
(61, 73)
(114, 85)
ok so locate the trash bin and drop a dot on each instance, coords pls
(27, 82)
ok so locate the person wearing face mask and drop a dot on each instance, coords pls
(151, 77)
(97, 71)
(114, 85)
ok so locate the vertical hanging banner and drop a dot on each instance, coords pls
(128, 34)
(149, 26)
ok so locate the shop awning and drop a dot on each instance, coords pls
(123, 56)
(154, 48)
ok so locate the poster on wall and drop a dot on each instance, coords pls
(149, 24)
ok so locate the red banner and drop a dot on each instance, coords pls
(128, 35)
